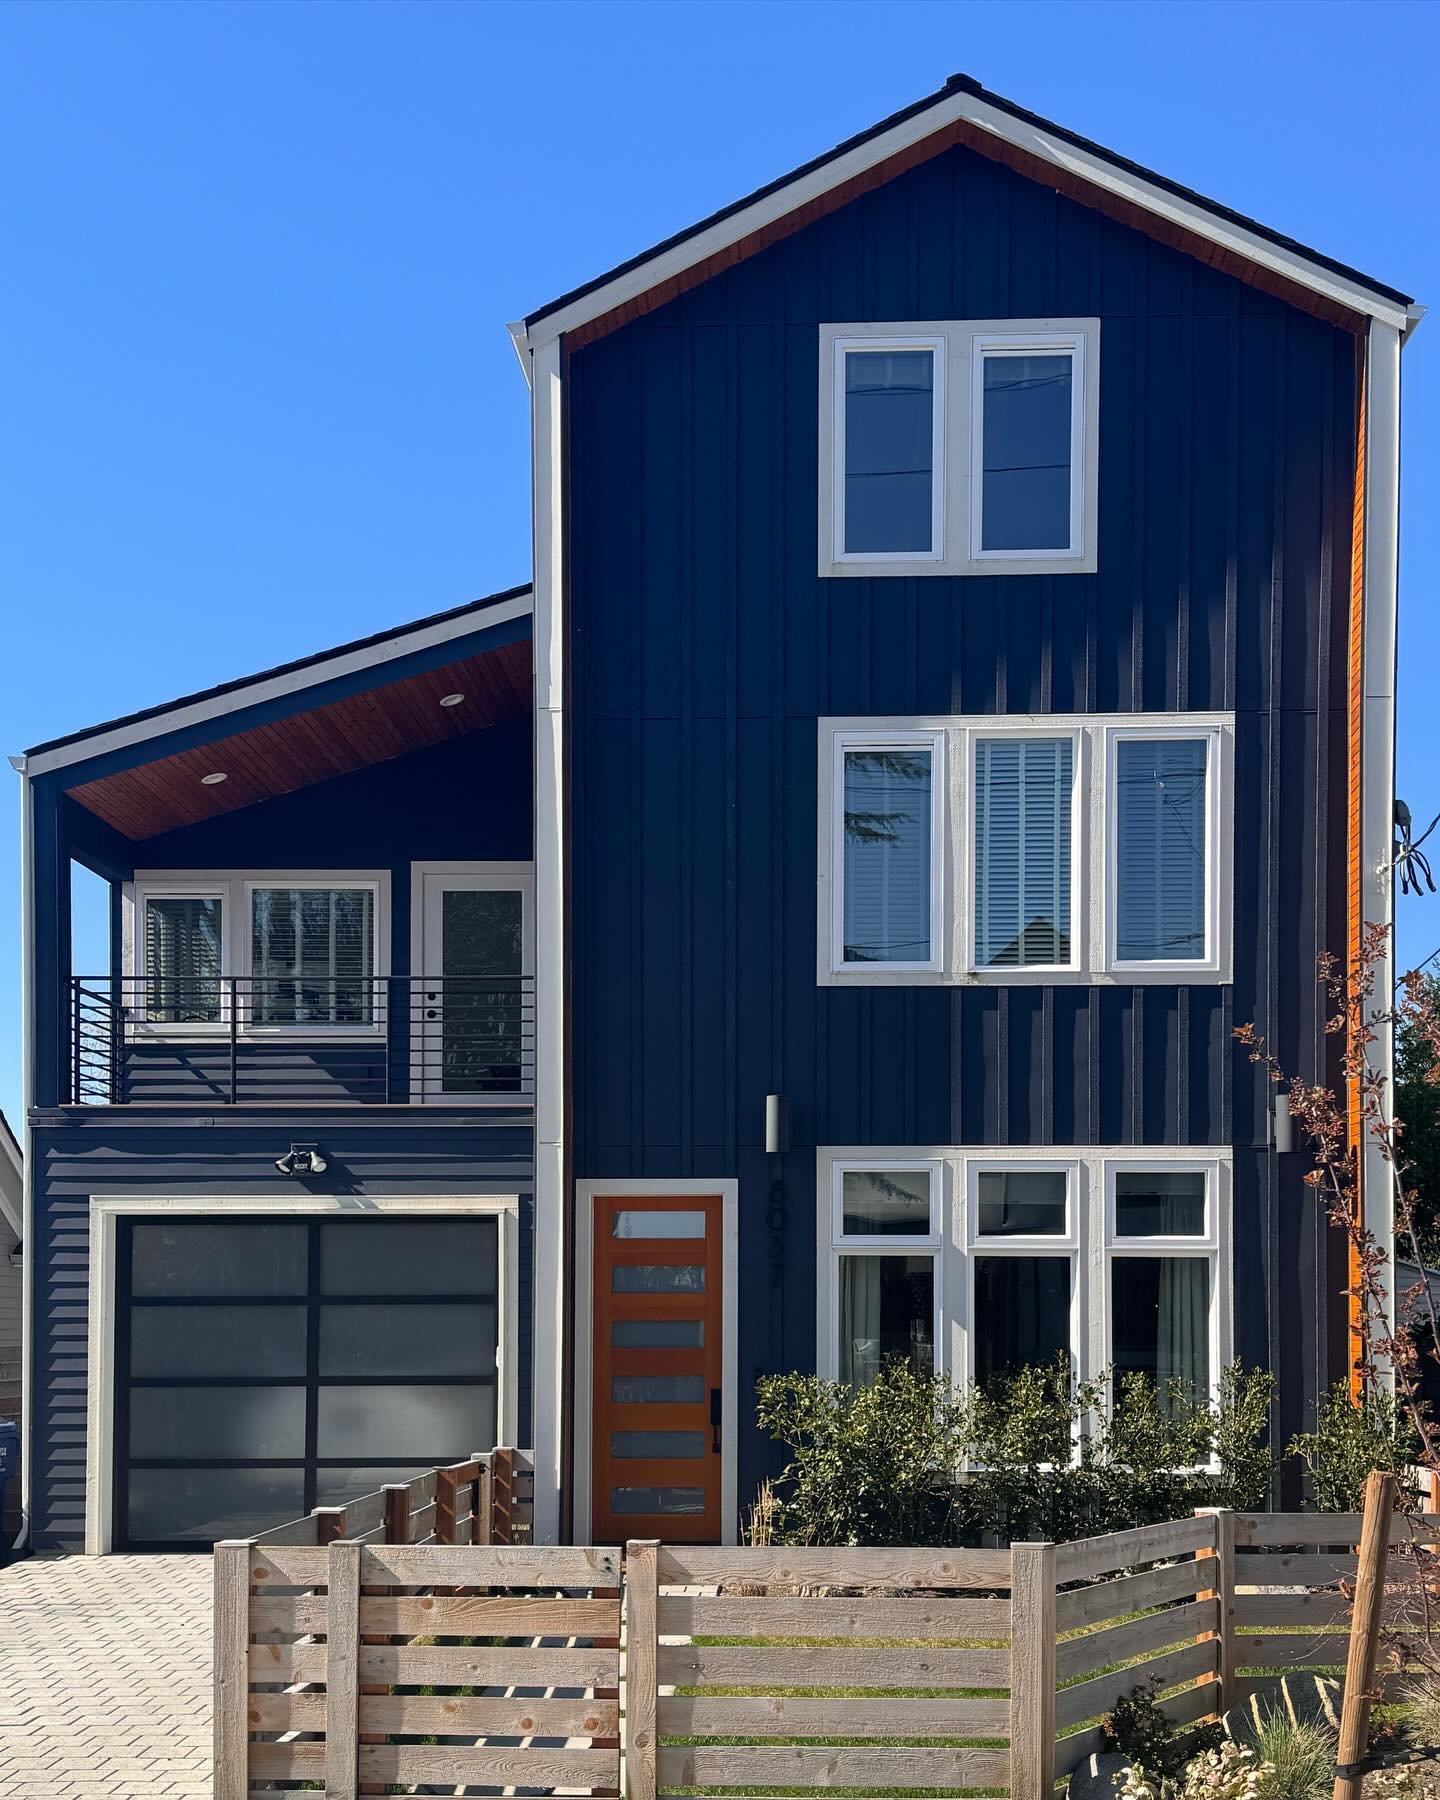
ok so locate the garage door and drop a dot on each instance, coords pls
(265, 1366)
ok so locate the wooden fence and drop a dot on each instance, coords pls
(488, 1500)
(797, 1670)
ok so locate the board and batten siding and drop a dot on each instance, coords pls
(191, 1158)
(704, 648)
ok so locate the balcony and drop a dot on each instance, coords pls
(237, 1040)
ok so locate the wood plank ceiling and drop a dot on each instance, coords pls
(330, 740)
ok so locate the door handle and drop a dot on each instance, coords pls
(716, 1415)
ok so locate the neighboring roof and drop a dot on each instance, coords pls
(963, 98)
(307, 671)
(12, 1181)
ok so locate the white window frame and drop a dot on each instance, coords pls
(876, 562)
(1092, 837)
(830, 1226)
(843, 742)
(234, 888)
(137, 898)
(1002, 344)
(998, 731)
(1089, 1240)
(1219, 845)
(958, 461)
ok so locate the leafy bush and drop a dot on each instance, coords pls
(1299, 1759)
(1227, 1772)
(1350, 1440)
(1042, 1456)
(1137, 1728)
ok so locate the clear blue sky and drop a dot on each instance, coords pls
(258, 394)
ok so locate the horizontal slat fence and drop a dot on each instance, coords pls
(448, 1656)
(516, 1649)
(901, 1676)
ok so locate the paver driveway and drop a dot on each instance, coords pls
(105, 1678)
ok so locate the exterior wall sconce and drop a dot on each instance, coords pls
(777, 1124)
(1284, 1129)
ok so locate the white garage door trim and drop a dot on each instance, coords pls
(105, 1214)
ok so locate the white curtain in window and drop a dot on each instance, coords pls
(1022, 851)
(859, 1319)
(1160, 849)
(1182, 1350)
(887, 855)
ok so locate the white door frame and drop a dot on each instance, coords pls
(105, 1213)
(586, 1193)
(501, 876)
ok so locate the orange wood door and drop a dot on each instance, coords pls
(657, 1402)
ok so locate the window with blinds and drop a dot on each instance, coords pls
(1160, 811)
(312, 955)
(888, 855)
(182, 959)
(1024, 802)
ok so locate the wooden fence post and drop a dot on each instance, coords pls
(397, 1512)
(1032, 1672)
(342, 1671)
(642, 1593)
(502, 1489)
(329, 1523)
(1365, 1617)
(447, 1503)
(1222, 1578)
(482, 1529)
(232, 1669)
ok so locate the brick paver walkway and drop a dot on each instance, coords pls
(105, 1678)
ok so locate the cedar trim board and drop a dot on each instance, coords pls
(965, 112)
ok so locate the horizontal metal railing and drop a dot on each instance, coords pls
(234, 1040)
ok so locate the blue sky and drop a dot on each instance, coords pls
(259, 259)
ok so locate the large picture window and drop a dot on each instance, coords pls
(983, 1262)
(1077, 848)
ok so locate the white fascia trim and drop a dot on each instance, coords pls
(27, 1155)
(198, 712)
(551, 1324)
(1377, 725)
(1291, 264)
(12, 1184)
(728, 1188)
(105, 1214)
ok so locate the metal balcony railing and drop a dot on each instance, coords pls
(236, 1040)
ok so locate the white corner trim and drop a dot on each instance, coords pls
(105, 1213)
(1191, 215)
(27, 1148)
(551, 1325)
(1377, 721)
(275, 687)
(728, 1188)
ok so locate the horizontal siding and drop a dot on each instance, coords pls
(10, 1305)
(112, 1157)
(705, 647)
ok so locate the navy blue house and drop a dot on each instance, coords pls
(810, 926)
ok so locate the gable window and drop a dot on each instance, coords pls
(1029, 427)
(889, 451)
(951, 448)
(888, 793)
(1028, 850)
(312, 955)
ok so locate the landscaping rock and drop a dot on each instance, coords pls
(1098, 1777)
(1303, 1699)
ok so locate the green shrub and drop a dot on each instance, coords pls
(1299, 1759)
(1350, 1440)
(1137, 1728)
(1042, 1456)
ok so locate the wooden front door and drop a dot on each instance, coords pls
(658, 1407)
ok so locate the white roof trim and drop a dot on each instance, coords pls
(274, 687)
(12, 1182)
(1291, 264)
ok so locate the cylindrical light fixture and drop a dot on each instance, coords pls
(777, 1124)
(1284, 1130)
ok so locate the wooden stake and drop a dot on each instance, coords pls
(1365, 1617)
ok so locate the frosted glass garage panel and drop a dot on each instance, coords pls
(405, 1339)
(204, 1505)
(433, 1424)
(217, 1340)
(410, 1256)
(248, 1424)
(177, 1260)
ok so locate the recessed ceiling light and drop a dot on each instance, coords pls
(214, 778)
(451, 699)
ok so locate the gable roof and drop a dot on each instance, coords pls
(306, 671)
(963, 112)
